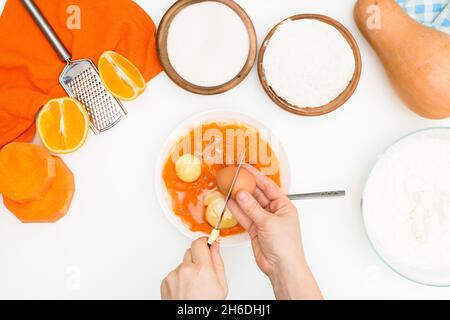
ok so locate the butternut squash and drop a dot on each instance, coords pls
(416, 57)
(26, 171)
(55, 203)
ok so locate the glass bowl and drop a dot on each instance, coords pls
(426, 277)
(182, 130)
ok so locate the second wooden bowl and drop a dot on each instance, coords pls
(332, 105)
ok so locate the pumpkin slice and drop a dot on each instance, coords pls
(26, 171)
(55, 203)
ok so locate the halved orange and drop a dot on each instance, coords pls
(63, 125)
(121, 77)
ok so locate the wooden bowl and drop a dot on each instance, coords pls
(171, 72)
(332, 105)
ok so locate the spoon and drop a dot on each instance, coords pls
(317, 195)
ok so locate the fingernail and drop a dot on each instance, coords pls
(243, 196)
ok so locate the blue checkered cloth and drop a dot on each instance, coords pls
(433, 13)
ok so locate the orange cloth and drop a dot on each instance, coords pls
(29, 67)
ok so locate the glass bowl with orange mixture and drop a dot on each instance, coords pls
(217, 139)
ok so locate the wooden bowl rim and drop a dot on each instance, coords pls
(339, 100)
(161, 43)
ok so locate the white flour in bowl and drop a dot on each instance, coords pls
(207, 43)
(406, 206)
(308, 63)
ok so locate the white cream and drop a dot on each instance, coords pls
(308, 63)
(207, 43)
(406, 206)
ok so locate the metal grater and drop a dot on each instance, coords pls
(81, 80)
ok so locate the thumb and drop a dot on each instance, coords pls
(218, 264)
(251, 207)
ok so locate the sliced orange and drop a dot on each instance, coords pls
(120, 76)
(63, 125)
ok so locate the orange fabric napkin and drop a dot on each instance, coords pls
(29, 67)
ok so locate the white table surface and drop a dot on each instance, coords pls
(115, 241)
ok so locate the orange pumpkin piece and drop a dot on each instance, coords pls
(26, 171)
(55, 203)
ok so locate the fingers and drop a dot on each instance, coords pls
(244, 220)
(281, 206)
(240, 215)
(261, 198)
(268, 187)
(218, 264)
(166, 285)
(164, 290)
(251, 207)
(200, 251)
(188, 256)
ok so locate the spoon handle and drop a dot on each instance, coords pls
(317, 195)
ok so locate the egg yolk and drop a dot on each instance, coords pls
(214, 211)
(188, 168)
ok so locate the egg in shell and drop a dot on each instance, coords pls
(245, 181)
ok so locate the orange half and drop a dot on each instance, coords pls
(63, 125)
(121, 77)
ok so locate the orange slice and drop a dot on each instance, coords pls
(63, 125)
(120, 76)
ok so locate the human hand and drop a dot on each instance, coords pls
(201, 275)
(273, 225)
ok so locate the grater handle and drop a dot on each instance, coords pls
(47, 30)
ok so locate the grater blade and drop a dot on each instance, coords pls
(81, 80)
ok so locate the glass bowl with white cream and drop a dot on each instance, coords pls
(406, 206)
